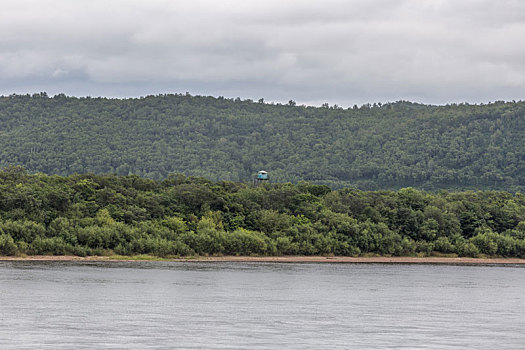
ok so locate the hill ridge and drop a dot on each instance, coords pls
(390, 146)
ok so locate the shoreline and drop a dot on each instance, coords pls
(277, 259)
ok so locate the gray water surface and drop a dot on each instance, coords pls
(166, 305)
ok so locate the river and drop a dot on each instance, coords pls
(196, 305)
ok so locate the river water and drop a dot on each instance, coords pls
(167, 305)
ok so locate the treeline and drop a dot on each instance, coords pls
(379, 146)
(181, 216)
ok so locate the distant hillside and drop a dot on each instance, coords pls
(381, 146)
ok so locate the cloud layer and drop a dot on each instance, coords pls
(334, 51)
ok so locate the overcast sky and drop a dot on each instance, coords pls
(344, 52)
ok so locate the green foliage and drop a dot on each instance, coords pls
(468, 249)
(7, 245)
(180, 216)
(52, 246)
(387, 146)
(443, 245)
(23, 230)
(245, 242)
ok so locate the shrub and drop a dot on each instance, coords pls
(443, 245)
(53, 245)
(468, 249)
(24, 230)
(244, 242)
(7, 245)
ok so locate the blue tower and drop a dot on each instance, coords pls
(260, 178)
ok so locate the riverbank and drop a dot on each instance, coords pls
(276, 259)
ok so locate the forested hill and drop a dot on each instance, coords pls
(386, 146)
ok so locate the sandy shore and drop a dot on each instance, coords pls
(284, 259)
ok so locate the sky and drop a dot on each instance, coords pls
(342, 52)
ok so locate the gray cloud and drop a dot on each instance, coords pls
(344, 52)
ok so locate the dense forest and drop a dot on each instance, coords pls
(181, 216)
(379, 146)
